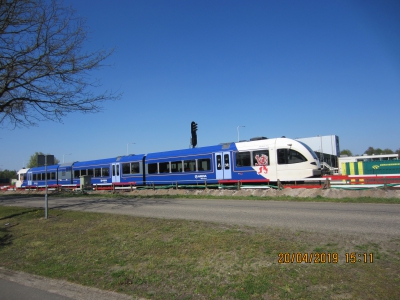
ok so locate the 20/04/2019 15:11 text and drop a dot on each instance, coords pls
(324, 257)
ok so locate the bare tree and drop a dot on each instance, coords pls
(44, 72)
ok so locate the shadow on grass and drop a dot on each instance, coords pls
(5, 240)
(19, 214)
(5, 237)
(99, 202)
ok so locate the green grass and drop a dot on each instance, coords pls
(178, 259)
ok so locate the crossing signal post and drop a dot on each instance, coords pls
(193, 130)
(45, 160)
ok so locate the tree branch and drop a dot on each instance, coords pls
(43, 72)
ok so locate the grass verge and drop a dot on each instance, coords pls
(178, 259)
(172, 195)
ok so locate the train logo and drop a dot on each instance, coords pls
(263, 163)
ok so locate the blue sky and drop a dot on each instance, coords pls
(293, 68)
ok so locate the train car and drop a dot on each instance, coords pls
(256, 161)
(188, 166)
(275, 159)
(131, 170)
(21, 178)
(102, 171)
(36, 177)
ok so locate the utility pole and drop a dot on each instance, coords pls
(45, 160)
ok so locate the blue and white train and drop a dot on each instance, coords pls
(259, 160)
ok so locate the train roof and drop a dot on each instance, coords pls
(95, 162)
(43, 168)
(262, 143)
(22, 171)
(131, 157)
(63, 165)
(192, 151)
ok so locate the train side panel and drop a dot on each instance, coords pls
(132, 169)
(37, 176)
(99, 170)
(254, 161)
(276, 159)
(65, 174)
(22, 179)
(182, 168)
(295, 161)
(189, 166)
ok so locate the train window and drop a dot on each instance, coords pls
(97, 172)
(176, 166)
(135, 168)
(83, 172)
(164, 167)
(261, 158)
(226, 161)
(105, 172)
(309, 150)
(53, 175)
(189, 165)
(282, 156)
(289, 156)
(43, 177)
(76, 174)
(152, 168)
(63, 173)
(90, 172)
(295, 157)
(243, 159)
(219, 164)
(34, 177)
(205, 164)
(126, 168)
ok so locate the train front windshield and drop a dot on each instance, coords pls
(309, 150)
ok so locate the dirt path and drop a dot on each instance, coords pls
(61, 287)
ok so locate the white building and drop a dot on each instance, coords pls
(326, 147)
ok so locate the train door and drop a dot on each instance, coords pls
(223, 167)
(116, 172)
(29, 178)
